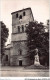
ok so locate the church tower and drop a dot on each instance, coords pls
(20, 19)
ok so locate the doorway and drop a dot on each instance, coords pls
(20, 63)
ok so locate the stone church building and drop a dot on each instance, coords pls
(16, 53)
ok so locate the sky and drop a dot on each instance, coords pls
(40, 10)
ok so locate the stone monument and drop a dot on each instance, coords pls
(36, 62)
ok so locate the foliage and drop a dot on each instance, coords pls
(4, 36)
(38, 39)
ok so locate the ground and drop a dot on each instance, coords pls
(23, 72)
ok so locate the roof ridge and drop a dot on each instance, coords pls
(21, 10)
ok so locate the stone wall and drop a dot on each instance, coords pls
(21, 22)
(20, 45)
(17, 55)
(28, 17)
(7, 54)
(19, 37)
(15, 60)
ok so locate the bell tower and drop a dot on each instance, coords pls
(20, 19)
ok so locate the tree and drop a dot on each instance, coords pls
(44, 49)
(32, 33)
(38, 39)
(4, 36)
(48, 22)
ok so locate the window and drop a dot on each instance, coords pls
(23, 13)
(20, 52)
(26, 25)
(22, 28)
(16, 15)
(20, 17)
(6, 57)
(18, 28)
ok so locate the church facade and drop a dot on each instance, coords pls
(17, 52)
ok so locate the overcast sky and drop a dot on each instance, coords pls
(40, 9)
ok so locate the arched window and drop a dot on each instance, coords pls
(18, 28)
(6, 57)
(23, 13)
(17, 15)
(20, 52)
(20, 17)
(22, 28)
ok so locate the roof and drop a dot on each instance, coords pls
(21, 10)
(8, 46)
